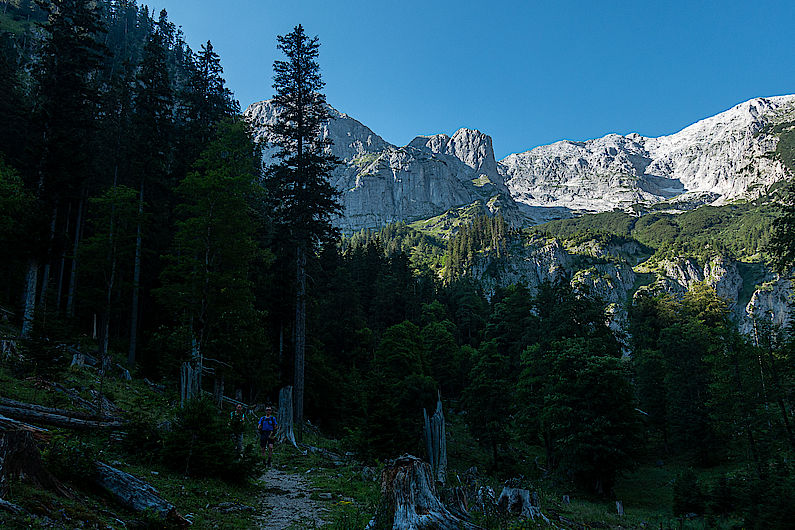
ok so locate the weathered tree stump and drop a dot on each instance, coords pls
(436, 443)
(284, 416)
(20, 457)
(134, 493)
(520, 501)
(409, 500)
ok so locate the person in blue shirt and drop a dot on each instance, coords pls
(267, 427)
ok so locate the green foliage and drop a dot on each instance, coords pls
(741, 230)
(207, 284)
(483, 234)
(688, 494)
(70, 459)
(488, 406)
(199, 444)
(399, 387)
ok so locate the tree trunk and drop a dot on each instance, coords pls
(70, 299)
(436, 443)
(300, 339)
(45, 276)
(135, 494)
(30, 297)
(284, 416)
(136, 284)
(62, 267)
(409, 500)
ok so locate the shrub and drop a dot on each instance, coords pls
(200, 444)
(70, 459)
(688, 496)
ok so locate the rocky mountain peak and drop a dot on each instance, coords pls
(470, 146)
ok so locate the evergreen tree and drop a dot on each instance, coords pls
(67, 100)
(153, 124)
(207, 282)
(304, 198)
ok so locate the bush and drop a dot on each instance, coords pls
(143, 439)
(767, 502)
(688, 495)
(70, 459)
(200, 444)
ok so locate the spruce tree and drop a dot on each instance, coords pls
(304, 199)
(153, 123)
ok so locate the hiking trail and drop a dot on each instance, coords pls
(286, 500)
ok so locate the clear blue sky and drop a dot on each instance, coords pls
(525, 72)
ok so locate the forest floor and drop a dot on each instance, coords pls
(287, 499)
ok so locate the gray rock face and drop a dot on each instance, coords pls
(713, 161)
(381, 183)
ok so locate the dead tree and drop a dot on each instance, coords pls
(409, 499)
(189, 383)
(435, 442)
(134, 493)
(284, 416)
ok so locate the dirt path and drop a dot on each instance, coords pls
(286, 498)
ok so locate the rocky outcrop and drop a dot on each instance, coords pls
(681, 275)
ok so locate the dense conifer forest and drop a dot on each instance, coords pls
(138, 225)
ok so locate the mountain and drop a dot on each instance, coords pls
(381, 183)
(713, 161)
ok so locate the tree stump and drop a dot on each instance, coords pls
(20, 457)
(409, 500)
(520, 501)
(284, 416)
(435, 442)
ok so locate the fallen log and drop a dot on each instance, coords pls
(50, 410)
(11, 507)
(108, 407)
(409, 500)
(135, 494)
(62, 419)
(39, 434)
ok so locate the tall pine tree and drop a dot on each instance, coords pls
(304, 198)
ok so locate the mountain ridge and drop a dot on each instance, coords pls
(715, 160)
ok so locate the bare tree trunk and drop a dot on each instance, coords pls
(300, 338)
(62, 268)
(45, 276)
(30, 297)
(284, 416)
(136, 284)
(70, 299)
(436, 443)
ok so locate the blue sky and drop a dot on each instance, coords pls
(525, 72)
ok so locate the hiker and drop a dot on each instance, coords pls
(237, 422)
(267, 433)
